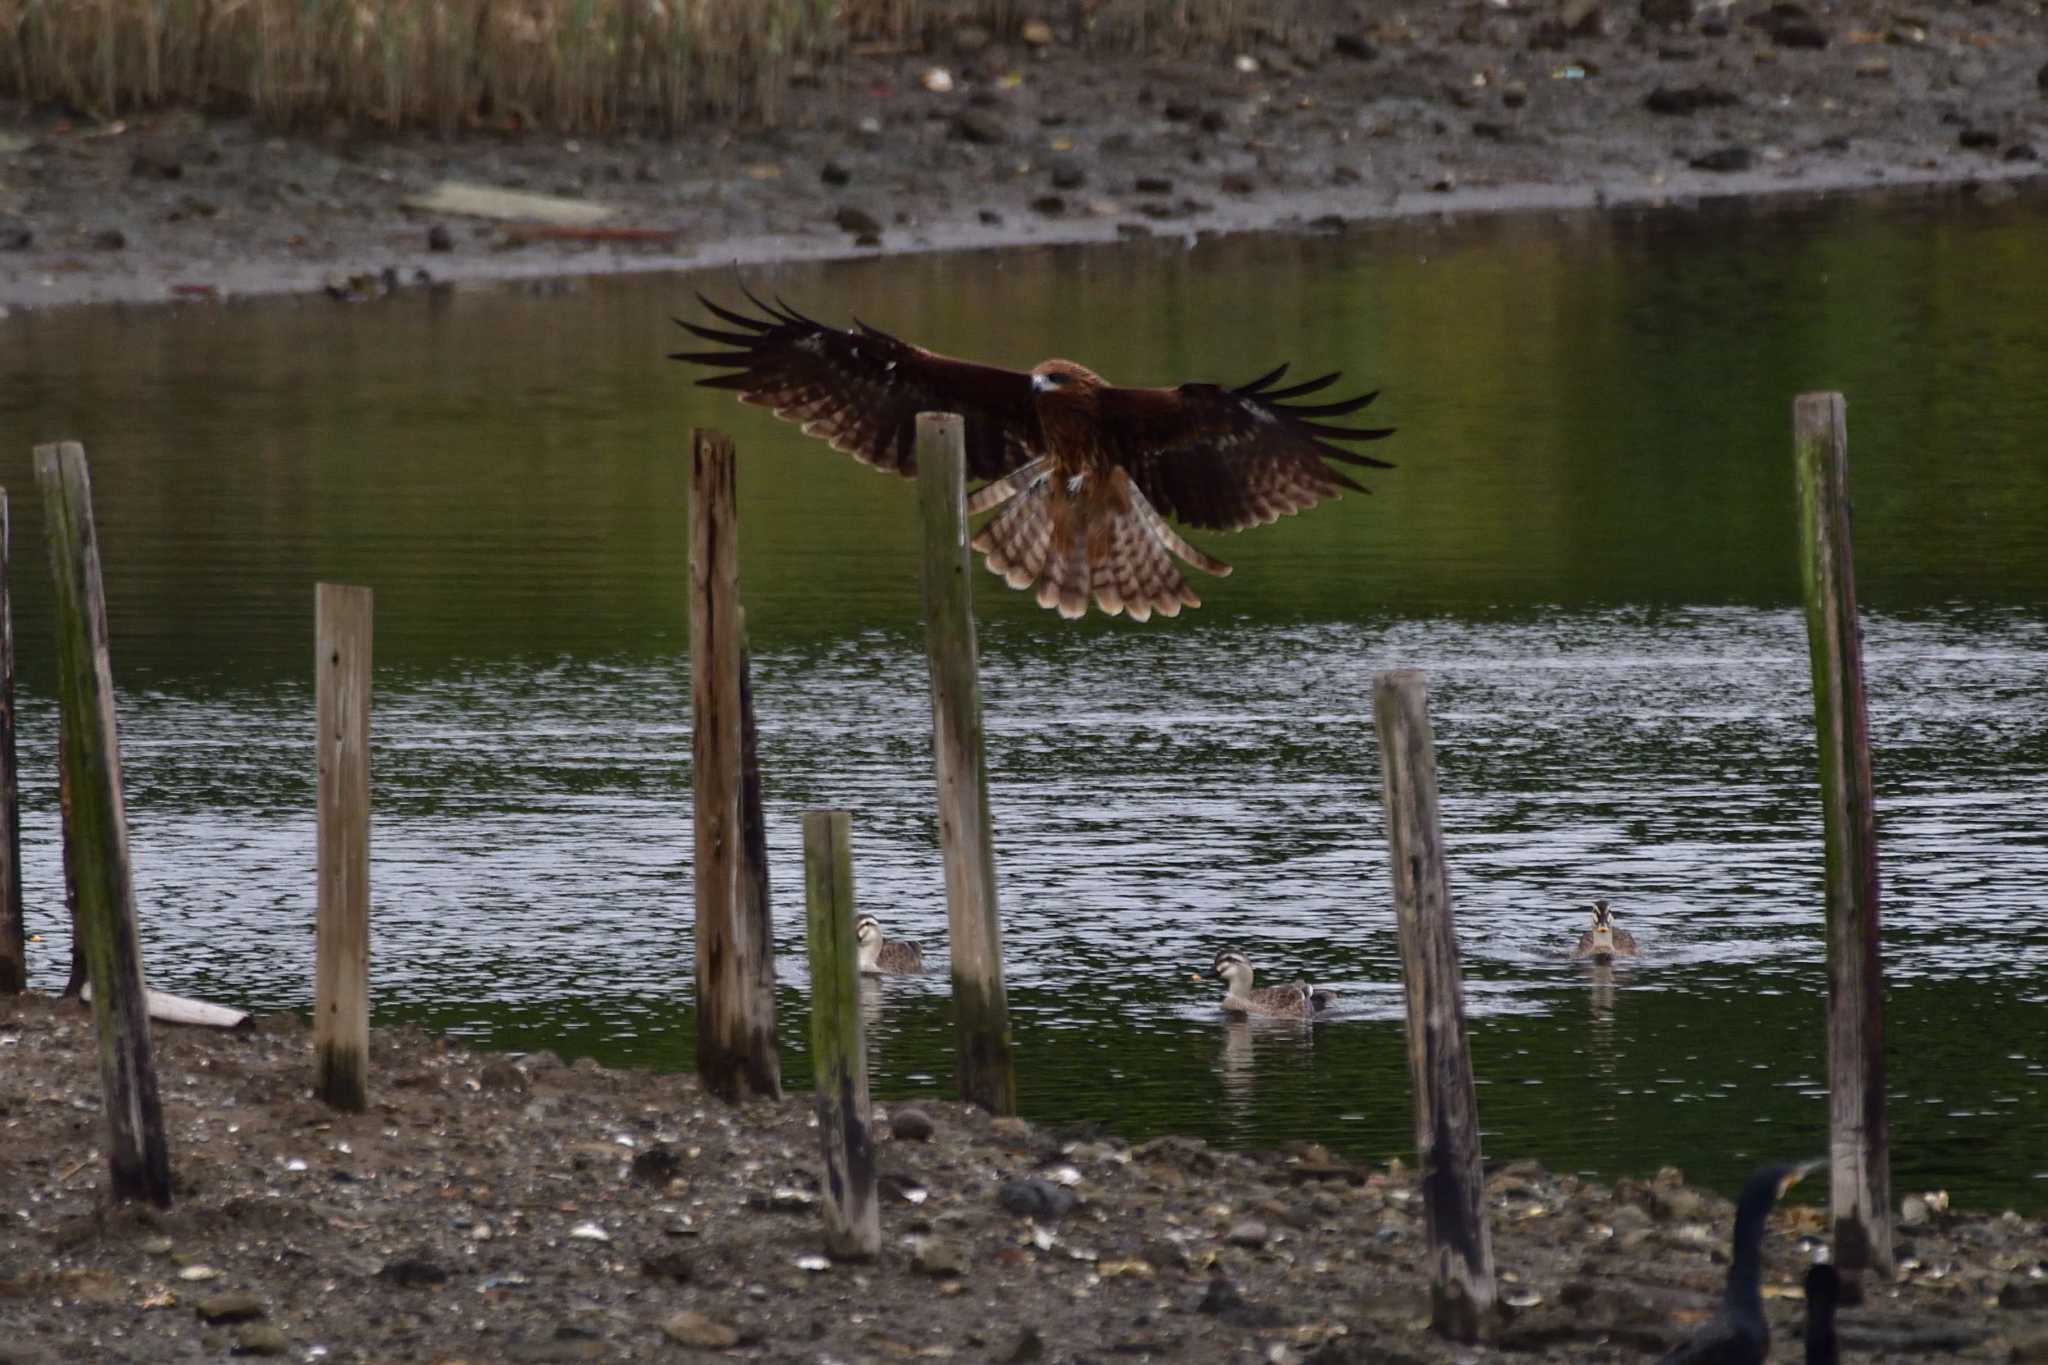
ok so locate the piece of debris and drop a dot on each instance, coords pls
(469, 200)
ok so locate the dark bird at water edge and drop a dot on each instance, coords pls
(1082, 474)
(1737, 1334)
(1823, 1292)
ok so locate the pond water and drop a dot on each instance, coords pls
(1589, 544)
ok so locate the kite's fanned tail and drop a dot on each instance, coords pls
(1106, 542)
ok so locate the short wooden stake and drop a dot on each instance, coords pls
(1463, 1291)
(13, 930)
(736, 1053)
(1860, 1143)
(138, 1152)
(341, 974)
(853, 1229)
(982, 1051)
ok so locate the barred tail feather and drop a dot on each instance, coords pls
(1104, 541)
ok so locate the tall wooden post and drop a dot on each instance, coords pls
(1860, 1144)
(13, 931)
(756, 909)
(982, 1051)
(736, 1054)
(138, 1153)
(342, 618)
(1463, 1290)
(853, 1228)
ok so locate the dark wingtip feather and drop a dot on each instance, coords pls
(1257, 386)
(1305, 387)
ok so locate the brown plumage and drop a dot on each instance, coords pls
(1082, 474)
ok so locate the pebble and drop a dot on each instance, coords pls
(495, 1076)
(110, 239)
(691, 1328)
(979, 129)
(261, 1339)
(198, 1272)
(851, 218)
(233, 1307)
(657, 1165)
(1249, 1233)
(1028, 1197)
(939, 1256)
(412, 1272)
(911, 1124)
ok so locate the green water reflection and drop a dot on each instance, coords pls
(1593, 470)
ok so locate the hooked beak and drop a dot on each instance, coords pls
(1040, 383)
(1799, 1173)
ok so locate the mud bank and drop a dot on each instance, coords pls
(495, 1208)
(987, 140)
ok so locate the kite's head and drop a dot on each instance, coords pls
(1063, 376)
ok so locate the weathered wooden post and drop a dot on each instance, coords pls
(138, 1153)
(853, 1228)
(1860, 1144)
(756, 910)
(1463, 1291)
(736, 1053)
(13, 931)
(982, 1051)
(342, 617)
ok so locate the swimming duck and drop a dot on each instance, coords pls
(880, 956)
(1737, 1334)
(1603, 942)
(1297, 1000)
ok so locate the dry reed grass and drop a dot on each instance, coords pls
(569, 65)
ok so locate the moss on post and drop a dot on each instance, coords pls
(137, 1150)
(982, 1050)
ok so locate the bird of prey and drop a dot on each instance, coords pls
(1737, 1334)
(1082, 474)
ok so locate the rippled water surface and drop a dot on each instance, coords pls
(1588, 544)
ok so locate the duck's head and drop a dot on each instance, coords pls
(1235, 968)
(867, 931)
(1603, 918)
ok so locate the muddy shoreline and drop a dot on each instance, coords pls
(512, 1208)
(988, 141)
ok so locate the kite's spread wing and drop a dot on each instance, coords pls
(862, 389)
(1225, 459)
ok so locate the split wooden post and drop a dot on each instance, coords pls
(105, 925)
(1463, 1290)
(1860, 1143)
(982, 1051)
(736, 1052)
(756, 909)
(13, 931)
(342, 617)
(839, 1054)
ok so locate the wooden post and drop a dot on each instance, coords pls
(1463, 1291)
(13, 932)
(736, 1054)
(138, 1153)
(341, 973)
(1860, 1144)
(982, 1051)
(839, 1054)
(756, 910)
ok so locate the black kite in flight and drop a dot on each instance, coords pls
(1085, 472)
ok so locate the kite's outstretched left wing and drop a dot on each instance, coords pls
(1225, 459)
(862, 389)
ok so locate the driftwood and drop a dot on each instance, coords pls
(177, 1009)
